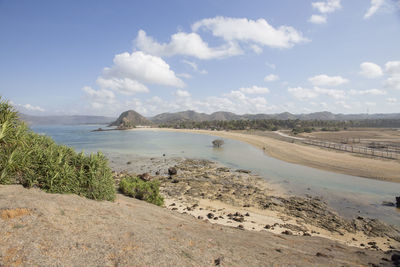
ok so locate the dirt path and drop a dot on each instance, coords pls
(340, 162)
(67, 230)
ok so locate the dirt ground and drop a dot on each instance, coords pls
(381, 135)
(68, 230)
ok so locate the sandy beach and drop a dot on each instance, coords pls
(328, 160)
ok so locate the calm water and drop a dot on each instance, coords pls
(349, 195)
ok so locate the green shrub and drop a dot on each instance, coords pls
(37, 161)
(137, 188)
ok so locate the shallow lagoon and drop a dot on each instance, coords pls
(349, 195)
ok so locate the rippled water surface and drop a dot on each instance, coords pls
(349, 195)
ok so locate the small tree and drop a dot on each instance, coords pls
(218, 142)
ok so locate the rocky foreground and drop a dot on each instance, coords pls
(43, 229)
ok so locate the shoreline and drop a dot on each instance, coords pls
(219, 195)
(323, 159)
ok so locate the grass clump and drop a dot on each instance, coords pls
(37, 161)
(144, 190)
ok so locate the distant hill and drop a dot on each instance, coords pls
(130, 119)
(191, 115)
(65, 120)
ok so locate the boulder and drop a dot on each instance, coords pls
(172, 171)
(398, 202)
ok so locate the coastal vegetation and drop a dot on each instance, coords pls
(144, 190)
(35, 160)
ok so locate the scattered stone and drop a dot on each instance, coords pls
(247, 214)
(128, 163)
(173, 204)
(278, 250)
(217, 261)
(241, 227)
(215, 218)
(145, 176)
(319, 254)
(200, 217)
(210, 215)
(398, 202)
(267, 226)
(243, 171)
(172, 171)
(175, 181)
(306, 234)
(287, 232)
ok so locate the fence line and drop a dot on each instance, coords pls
(389, 153)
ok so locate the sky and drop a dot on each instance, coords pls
(98, 57)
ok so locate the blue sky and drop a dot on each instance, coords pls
(104, 57)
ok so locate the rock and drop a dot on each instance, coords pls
(396, 258)
(172, 171)
(388, 204)
(243, 171)
(200, 217)
(157, 173)
(398, 202)
(175, 181)
(145, 176)
(247, 214)
(287, 232)
(267, 226)
(306, 234)
(319, 254)
(241, 227)
(238, 219)
(210, 215)
(217, 261)
(128, 163)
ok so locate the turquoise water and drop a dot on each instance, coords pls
(349, 195)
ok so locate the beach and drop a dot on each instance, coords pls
(324, 159)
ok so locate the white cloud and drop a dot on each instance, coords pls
(302, 93)
(370, 104)
(306, 94)
(258, 31)
(391, 100)
(367, 92)
(393, 82)
(317, 19)
(143, 68)
(328, 6)
(343, 104)
(189, 44)
(270, 65)
(271, 78)
(254, 90)
(375, 6)
(194, 66)
(393, 70)
(336, 94)
(256, 49)
(124, 86)
(182, 93)
(370, 70)
(99, 98)
(30, 107)
(325, 80)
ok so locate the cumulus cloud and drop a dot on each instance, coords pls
(393, 70)
(143, 68)
(324, 7)
(189, 44)
(317, 19)
(27, 107)
(99, 98)
(375, 6)
(325, 80)
(271, 78)
(327, 6)
(370, 70)
(367, 92)
(258, 32)
(124, 86)
(302, 93)
(182, 93)
(254, 90)
(307, 94)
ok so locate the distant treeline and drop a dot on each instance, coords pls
(273, 124)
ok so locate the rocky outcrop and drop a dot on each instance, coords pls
(130, 119)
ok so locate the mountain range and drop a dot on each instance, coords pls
(131, 117)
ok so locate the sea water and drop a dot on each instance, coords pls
(350, 196)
